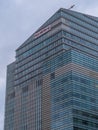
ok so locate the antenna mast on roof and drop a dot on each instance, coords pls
(71, 7)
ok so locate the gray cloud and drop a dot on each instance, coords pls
(19, 19)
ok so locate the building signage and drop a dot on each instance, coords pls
(44, 30)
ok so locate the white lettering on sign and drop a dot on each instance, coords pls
(44, 30)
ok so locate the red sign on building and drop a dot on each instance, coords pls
(44, 30)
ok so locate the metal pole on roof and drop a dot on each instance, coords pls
(71, 7)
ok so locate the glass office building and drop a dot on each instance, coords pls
(53, 83)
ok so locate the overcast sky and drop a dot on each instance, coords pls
(19, 19)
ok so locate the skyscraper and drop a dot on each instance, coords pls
(53, 83)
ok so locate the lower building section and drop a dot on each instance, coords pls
(63, 97)
(70, 92)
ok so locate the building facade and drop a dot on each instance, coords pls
(53, 83)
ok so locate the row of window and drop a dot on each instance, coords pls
(85, 114)
(85, 122)
(81, 40)
(66, 89)
(57, 61)
(81, 21)
(35, 72)
(70, 56)
(57, 99)
(75, 81)
(74, 103)
(80, 28)
(90, 20)
(85, 60)
(73, 44)
(78, 128)
(72, 77)
(32, 60)
(62, 124)
(35, 60)
(39, 46)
